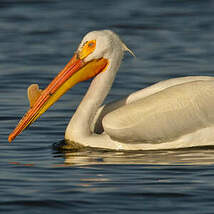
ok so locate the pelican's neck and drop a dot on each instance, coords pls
(79, 125)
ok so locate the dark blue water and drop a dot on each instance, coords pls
(171, 38)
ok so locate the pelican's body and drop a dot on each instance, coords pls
(171, 114)
(175, 113)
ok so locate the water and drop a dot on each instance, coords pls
(171, 38)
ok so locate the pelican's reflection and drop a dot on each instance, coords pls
(194, 156)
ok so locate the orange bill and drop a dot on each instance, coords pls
(75, 71)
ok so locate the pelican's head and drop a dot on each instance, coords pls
(94, 54)
(101, 44)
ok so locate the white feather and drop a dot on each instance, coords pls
(174, 113)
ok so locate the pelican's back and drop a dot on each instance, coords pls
(165, 115)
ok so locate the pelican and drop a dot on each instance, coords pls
(170, 114)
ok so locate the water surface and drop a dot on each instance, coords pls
(170, 39)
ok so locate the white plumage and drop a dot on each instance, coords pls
(175, 113)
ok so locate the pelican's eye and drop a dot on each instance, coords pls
(87, 48)
(91, 44)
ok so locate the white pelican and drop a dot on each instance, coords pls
(171, 114)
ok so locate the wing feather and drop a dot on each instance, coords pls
(96, 125)
(165, 115)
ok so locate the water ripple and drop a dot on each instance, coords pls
(169, 38)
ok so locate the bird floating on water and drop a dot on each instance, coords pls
(170, 114)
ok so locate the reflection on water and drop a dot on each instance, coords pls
(192, 156)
